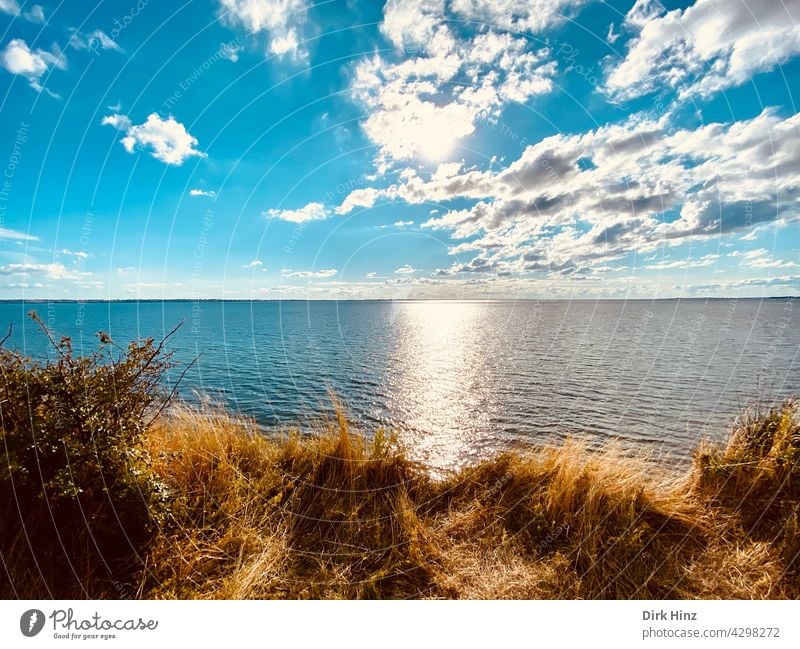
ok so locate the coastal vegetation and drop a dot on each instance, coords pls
(110, 488)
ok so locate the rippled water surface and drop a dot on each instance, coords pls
(460, 379)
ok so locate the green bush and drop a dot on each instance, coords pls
(78, 498)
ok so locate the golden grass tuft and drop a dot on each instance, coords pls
(338, 515)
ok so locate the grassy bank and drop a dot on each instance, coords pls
(101, 498)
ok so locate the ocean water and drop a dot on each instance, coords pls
(459, 380)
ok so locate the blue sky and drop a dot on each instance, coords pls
(417, 149)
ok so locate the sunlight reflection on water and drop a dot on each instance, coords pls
(437, 358)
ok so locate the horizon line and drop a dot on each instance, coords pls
(442, 299)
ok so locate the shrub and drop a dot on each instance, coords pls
(757, 477)
(78, 498)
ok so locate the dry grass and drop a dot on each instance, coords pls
(337, 515)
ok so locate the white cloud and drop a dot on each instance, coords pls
(792, 281)
(279, 19)
(119, 122)
(518, 15)
(406, 270)
(702, 262)
(253, 264)
(50, 271)
(708, 47)
(311, 212)
(308, 274)
(165, 139)
(761, 258)
(445, 85)
(230, 51)
(402, 224)
(570, 202)
(358, 198)
(6, 233)
(202, 192)
(19, 59)
(642, 12)
(35, 14)
(80, 254)
(94, 41)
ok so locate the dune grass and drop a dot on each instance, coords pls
(221, 511)
(339, 515)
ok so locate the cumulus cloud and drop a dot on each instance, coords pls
(518, 15)
(253, 264)
(444, 83)
(705, 48)
(311, 212)
(21, 60)
(570, 202)
(358, 198)
(309, 274)
(164, 139)
(203, 192)
(406, 270)
(281, 20)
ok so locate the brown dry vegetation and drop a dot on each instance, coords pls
(336, 515)
(229, 513)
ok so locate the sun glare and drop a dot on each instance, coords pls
(436, 147)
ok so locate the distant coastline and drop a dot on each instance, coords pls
(387, 300)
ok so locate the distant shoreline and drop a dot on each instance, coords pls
(390, 301)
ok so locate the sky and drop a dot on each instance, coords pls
(446, 149)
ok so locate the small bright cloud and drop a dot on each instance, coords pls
(202, 192)
(253, 264)
(406, 270)
(280, 20)
(35, 15)
(311, 212)
(330, 272)
(358, 198)
(80, 254)
(166, 140)
(94, 41)
(19, 59)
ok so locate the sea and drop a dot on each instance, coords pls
(459, 380)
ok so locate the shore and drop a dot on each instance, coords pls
(337, 515)
(104, 493)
